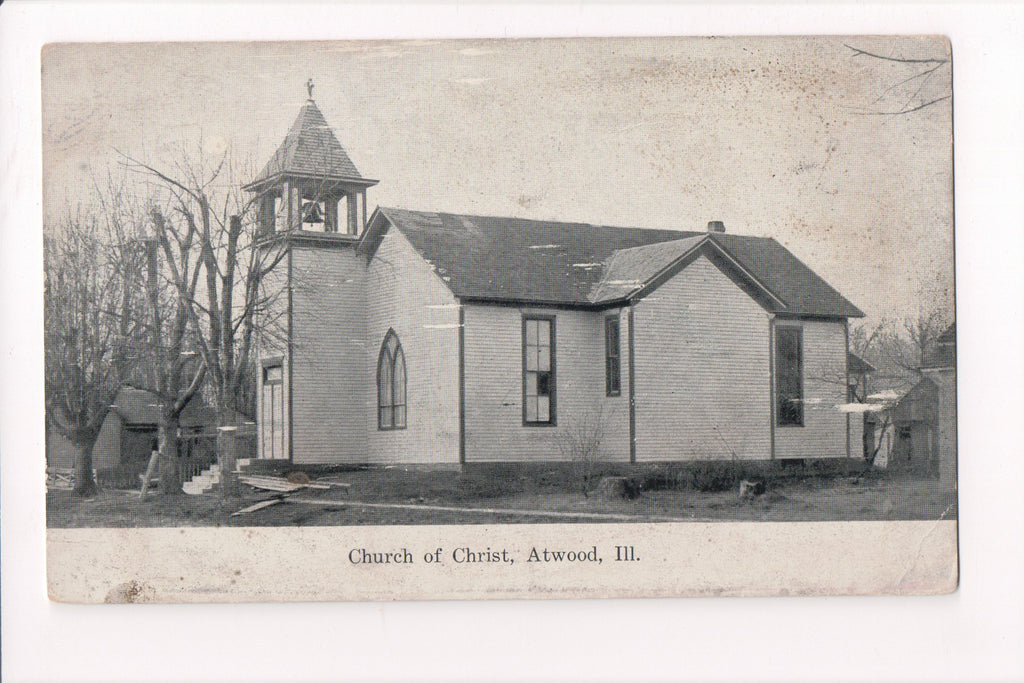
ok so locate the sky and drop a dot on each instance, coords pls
(790, 138)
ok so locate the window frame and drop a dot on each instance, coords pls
(609, 390)
(800, 418)
(552, 372)
(391, 365)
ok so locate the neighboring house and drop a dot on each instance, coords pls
(915, 430)
(437, 338)
(128, 435)
(940, 368)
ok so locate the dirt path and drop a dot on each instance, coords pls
(501, 511)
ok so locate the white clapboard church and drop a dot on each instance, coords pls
(406, 336)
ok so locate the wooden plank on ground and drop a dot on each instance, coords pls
(258, 506)
(270, 483)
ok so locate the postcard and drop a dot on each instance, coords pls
(532, 318)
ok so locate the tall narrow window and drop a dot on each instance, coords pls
(612, 382)
(539, 371)
(391, 384)
(789, 376)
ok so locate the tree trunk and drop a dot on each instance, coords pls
(85, 484)
(169, 469)
(878, 445)
(227, 453)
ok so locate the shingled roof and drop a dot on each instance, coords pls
(627, 270)
(578, 264)
(310, 149)
(141, 407)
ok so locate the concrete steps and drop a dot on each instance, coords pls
(210, 477)
(202, 482)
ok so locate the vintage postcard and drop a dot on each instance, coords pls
(504, 318)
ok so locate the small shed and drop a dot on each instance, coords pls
(129, 432)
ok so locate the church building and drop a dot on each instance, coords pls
(401, 336)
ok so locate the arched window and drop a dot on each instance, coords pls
(391, 384)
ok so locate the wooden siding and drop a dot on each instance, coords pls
(702, 370)
(945, 378)
(823, 434)
(271, 340)
(494, 429)
(106, 452)
(60, 452)
(615, 409)
(403, 293)
(328, 355)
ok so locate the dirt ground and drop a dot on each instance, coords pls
(400, 497)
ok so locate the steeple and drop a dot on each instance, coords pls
(311, 183)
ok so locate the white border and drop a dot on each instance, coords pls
(973, 634)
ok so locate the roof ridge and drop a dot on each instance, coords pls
(544, 221)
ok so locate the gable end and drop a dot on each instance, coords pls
(725, 263)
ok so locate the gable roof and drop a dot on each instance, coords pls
(579, 264)
(857, 365)
(627, 270)
(310, 149)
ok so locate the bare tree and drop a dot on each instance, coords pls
(214, 266)
(88, 331)
(918, 82)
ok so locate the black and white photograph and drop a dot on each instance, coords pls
(504, 282)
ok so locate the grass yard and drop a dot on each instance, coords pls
(398, 496)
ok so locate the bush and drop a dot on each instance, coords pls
(580, 444)
(701, 475)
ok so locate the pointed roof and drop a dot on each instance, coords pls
(857, 365)
(310, 149)
(627, 270)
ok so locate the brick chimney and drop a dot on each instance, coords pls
(716, 226)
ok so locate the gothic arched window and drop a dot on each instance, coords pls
(391, 384)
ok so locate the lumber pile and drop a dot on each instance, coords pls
(278, 484)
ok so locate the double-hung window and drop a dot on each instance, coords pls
(539, 370)
(612, 362)
(789, 376)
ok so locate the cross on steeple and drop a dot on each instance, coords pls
(309, 87)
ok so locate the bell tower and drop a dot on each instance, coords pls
(311, 184)
(311, 203)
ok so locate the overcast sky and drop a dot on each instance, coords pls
(780, 137)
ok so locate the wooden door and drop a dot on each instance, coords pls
(272, 414)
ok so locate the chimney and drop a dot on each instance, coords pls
(716, 226)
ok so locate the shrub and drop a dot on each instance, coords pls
(580, 444)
